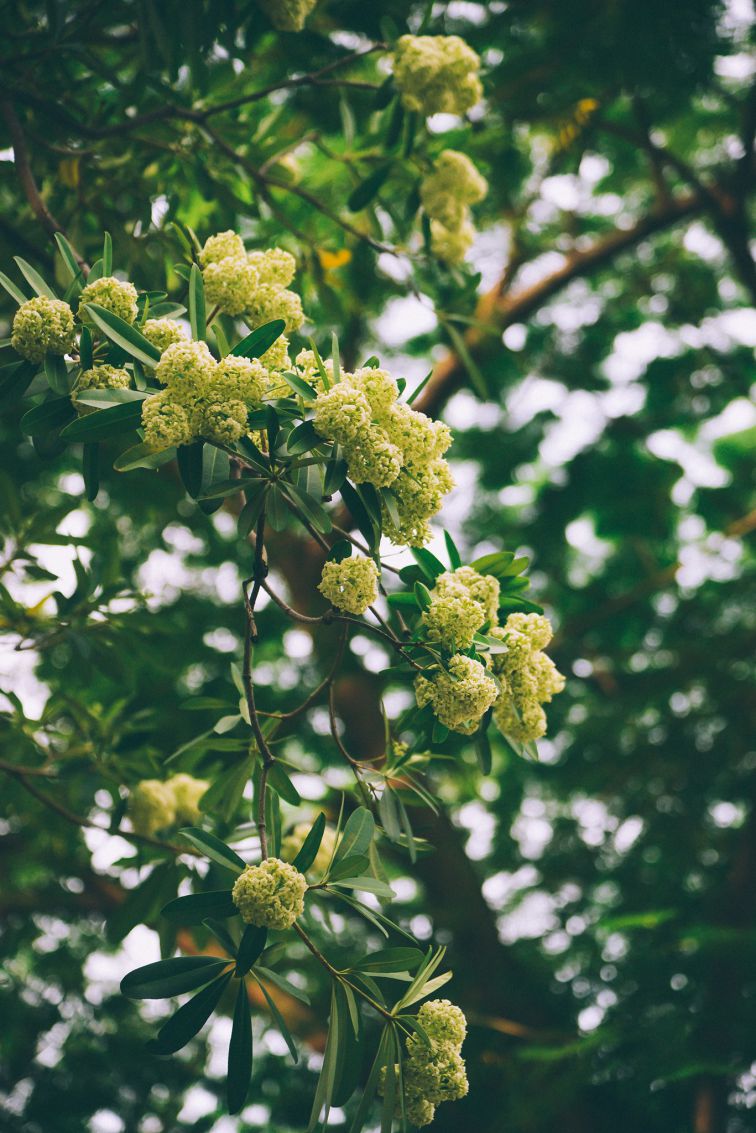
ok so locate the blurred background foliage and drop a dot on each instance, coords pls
(594, 360)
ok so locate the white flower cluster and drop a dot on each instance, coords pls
(517, 682)
(433, 1072)
(437, 74)
(204, 398)
(527, 676)
(154, 805)
(388, 444)
(252, 284)
(447, 194)
(270, 895)
(350, 585)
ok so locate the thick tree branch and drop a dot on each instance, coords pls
(498, 309)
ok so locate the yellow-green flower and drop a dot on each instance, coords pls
(42, 326)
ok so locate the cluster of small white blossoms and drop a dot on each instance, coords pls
(433, 1073)
(203, 397)
(388, 444)
(528, 677)
(155, 805)
(462, 603)
(252, 284)
(115, 295)
(447, 194)
(295, 840)
(42, 326)
(437, 74)
(287, 15)
(350, 585)
(270, 895)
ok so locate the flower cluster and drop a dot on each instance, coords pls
(103, 377)
(388, 444)
(253, 284)
(459, 695)
(447, 194)
(434, 1072)
(295, 839)
(528, 677)
(437, 74)
(116, 295)
(163, 332)
(287, 15)
(202, 398)
(462, 602)
(351, 584)
(270, 895)
(154, 805)
(42, 326)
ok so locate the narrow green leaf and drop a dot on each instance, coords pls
(166, 978)
(251, 946)
(367, 189)
(314, 512)
(91, 470)
(359, 831)
(34, 279)
(57, 374)
(309, 849)
(197, 317)
(105, 423)
(107, 254)
(300, 386)
(240, 1052)
(371, 1086)
(213, 848)
(221, 934)
(278, 1019)
(189, 459)
(419, 388)
(194, 908)
(252, 509)
(260, 340)
(283, 983)
(48, 416)
(142, 456)
(123, 334)
(190, 1018)
(67, 253)
(104, 398)
(14, 292)
(455, 559)
(431, 566)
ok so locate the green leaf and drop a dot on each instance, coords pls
(221, 934)
(197, 316)
(327, 1079)
(279, 780)
(428, 563)
(189, 459)
(240, 1052)
(215, 468)
(250, 948)
(309, 849)
(57, 374)
(335, 473)
(360, 514)
(105, 423)
(15, 378)
(48, 416)
(142, 456)
(455, 558)
(223, 488)
(300, 386)
(314, 512)
(197, 906)
(107, 254)
(190, 1018)
(390, 960)
(225, 794)
(351, 866)
(166, 978)
(283, 983)
(367, 885)
(213, 848)
(91, 470)
(278, 1020)
(252, 509)
(260, 340)
(34, 279)
(124, 335)
(389, 814)
(371, 1086)
(14, 292)
(104, 398)
(422, 595)
(367, 189)
(359, 831)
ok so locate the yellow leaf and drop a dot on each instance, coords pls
(68, 172)
(329, 261)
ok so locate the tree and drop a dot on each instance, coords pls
(596, 903)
